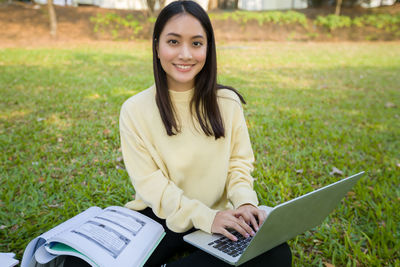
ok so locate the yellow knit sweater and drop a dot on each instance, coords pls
(188, 177)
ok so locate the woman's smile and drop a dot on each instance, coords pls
(184, 67)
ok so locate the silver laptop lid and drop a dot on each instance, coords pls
(296, 216)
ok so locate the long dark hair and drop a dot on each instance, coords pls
(205, 92)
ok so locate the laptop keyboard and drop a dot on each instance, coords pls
(230, 247)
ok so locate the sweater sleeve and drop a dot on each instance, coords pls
(153, 187)
(240, 182)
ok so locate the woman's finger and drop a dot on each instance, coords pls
(243, 228)
(243, 213)
(228, 234)
(225, 220)
(262, 215)
(252, 215)
(254, 222)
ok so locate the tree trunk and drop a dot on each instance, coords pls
(236, 5)
(162, 4)
(150, 6)
(53, 19)
(212, 4)
(338, 7)
(223, 4)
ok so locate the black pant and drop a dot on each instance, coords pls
(173, 243)
(173, 251)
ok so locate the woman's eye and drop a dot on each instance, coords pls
(173, 42)
(196, 44)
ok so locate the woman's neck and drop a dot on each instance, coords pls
(180, 87)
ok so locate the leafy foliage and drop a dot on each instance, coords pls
(333, 22)
(275, 17)
(388, 22)
(117, 26)
(113, 23)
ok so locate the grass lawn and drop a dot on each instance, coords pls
(312, 107)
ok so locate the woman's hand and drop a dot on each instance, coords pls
(228, 219)
(250, 214)
(239, 220)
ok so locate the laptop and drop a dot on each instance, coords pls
(283, 222)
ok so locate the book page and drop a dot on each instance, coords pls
(39, 241)
(71, 223)
(116, 236)
(66, 250)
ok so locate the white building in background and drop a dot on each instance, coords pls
(376, 3)
(203, 3)
(142, 5)
(117, 4)
(56, 2)
(272, 4)
(253, 5)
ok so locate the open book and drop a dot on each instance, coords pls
(114, 236)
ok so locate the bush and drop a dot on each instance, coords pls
(275, 17)
(114, 23)
(118, 26)
(387, 22)
(333, 22)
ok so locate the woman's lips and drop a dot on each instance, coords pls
(183, 67)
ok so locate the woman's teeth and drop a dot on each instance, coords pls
(184, 67)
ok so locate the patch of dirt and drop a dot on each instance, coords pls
(23, 24)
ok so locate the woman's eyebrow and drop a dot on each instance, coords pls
(178, 35)
(174, 34)
(198, 36)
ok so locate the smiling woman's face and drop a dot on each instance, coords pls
(182, 50)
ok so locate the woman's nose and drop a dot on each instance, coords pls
(185, 52)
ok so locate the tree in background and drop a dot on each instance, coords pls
(228, 4)
(212, 4)
(338, 7)
(151, 5)
(53, 18)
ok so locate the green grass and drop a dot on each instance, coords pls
(311, 107)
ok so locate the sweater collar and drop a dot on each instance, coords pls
(185, 96)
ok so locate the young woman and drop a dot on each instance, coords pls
(186, 146)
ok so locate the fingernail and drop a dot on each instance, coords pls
(252, 233)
